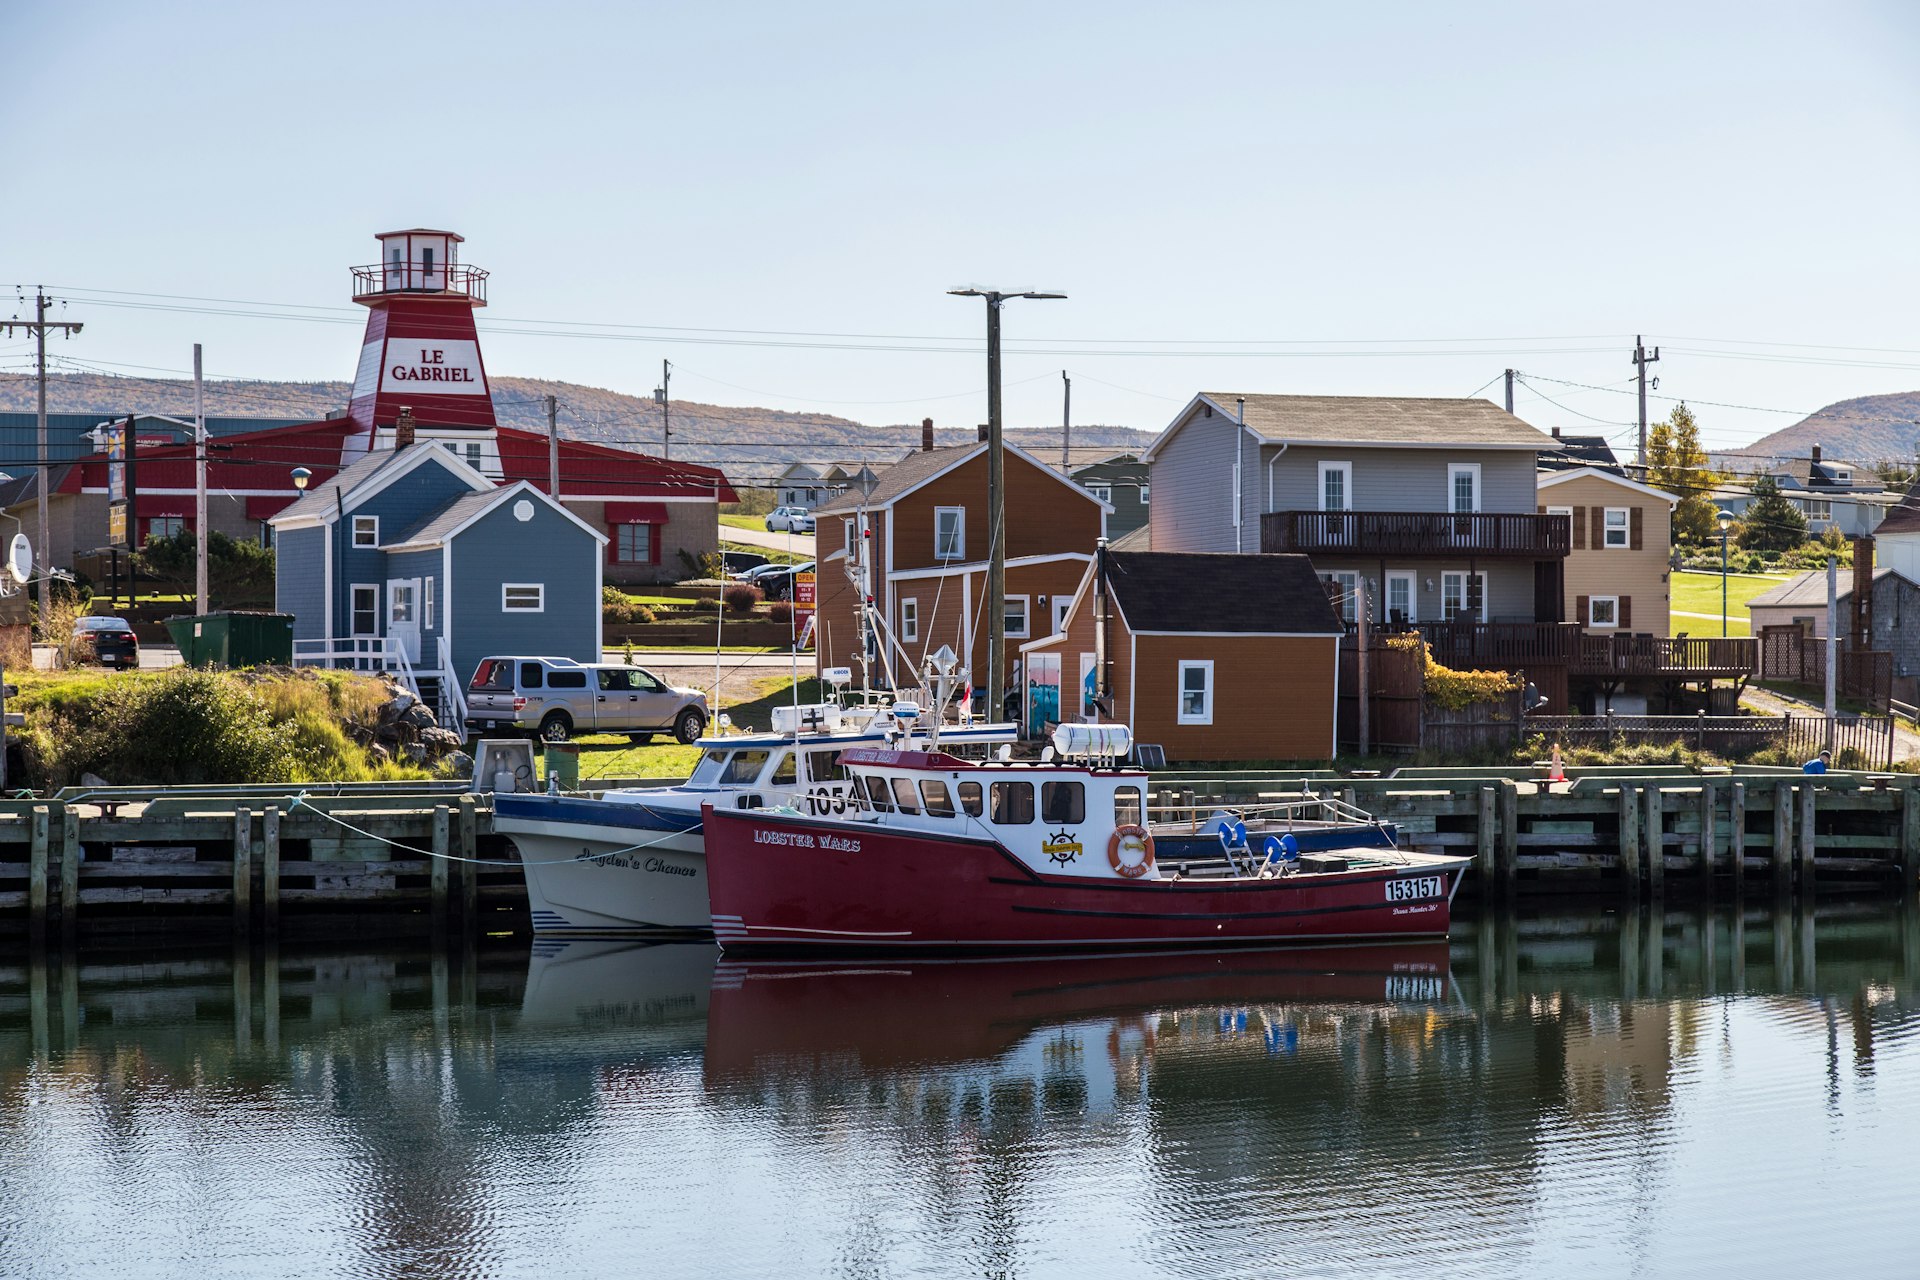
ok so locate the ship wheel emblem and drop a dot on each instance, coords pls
(1061, 847)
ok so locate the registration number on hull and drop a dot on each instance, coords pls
(1414, 888)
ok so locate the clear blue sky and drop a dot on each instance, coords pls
(1390, 198)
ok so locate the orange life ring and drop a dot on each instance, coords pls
(1131, 870)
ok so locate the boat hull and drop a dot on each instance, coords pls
(788, 883)
(608, 870)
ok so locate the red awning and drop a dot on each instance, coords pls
(636, 513)
(267, 508)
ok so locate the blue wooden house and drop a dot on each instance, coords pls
(411, 561)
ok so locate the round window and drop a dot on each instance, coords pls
(523, 511)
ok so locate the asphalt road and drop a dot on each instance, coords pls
(800, 544)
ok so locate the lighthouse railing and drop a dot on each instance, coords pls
(379, 278)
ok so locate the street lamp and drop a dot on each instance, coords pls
(300, 478)
(1725, 520)
(996, 498)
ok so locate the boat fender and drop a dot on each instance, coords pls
(1131, 837)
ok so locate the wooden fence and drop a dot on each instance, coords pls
(1396, 686)
(1859, 741)
(1476, 727)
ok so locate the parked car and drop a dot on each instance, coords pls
(555, 699)
(737, 563)
(107, 641)
(776, 581)
(792, 519)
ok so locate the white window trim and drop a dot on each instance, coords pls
(1144, 486)
(1412, 580)
(373, 526)
(1026, 618)
(395, 588)
(910, 620)
(1604, 626)
(353, 608)
(1607, 527)
(850, 538)
(1463, 575)
(1348, 604)
(959, 551)
(1346, 484)
(1180, 692)
(1101, 492)
(426, 604)
(540, 587)
(1454, 469)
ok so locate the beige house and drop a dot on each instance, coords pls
(1616, 575)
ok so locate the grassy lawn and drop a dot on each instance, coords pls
(1699, 593)
(746, 522)
(612, 756)
(777, 557)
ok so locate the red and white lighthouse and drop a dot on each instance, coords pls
(421, 349)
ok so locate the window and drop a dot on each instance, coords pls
(1012, 803)
(1818, 508)
(567, 680)
(426, 603)
(786, 770)
(740, 771)
(1346, 598)
(825, 766)
(426, 262)
(366, 531)
(400, 602)
(165, 527)
(1336, 486)
(949, 533)
(1842, 475)
(1616, 528)
(1463, 597)
(1463, 487)
(1196, 692)
(1603, 611)
(523, 597)
(1102, 492)
(849, 528)
(266, 535)
(909, 621)
(633, 543)
(1063, 802)
(904, 796)
(970, 798)
(1143, 493)
(1400, 597)
(939, 803)
(613, 679)
(1016, 616)
(1126, 806)
(531, 675)
(366, 610)
(877, 794)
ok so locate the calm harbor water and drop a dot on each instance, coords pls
(1596, 1093)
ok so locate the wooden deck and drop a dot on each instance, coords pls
(1523, 645)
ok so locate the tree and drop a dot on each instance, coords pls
(1772, 523)
(235, 569)
(1677, 463)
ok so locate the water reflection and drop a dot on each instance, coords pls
(1587, 1091)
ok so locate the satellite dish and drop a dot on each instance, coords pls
(20, 559)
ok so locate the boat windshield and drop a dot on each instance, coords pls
(720, 768)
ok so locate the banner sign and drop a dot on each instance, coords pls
(117, 523)
(116, 463)
(433, 366)
(804, 591)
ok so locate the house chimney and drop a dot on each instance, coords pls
(1556, 433)
(403, 429)
(983, 433)
(1816, 454)
(926, 435)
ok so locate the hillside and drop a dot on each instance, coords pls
(748, 442)
(1869, 429)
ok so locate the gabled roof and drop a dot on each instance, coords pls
(1809, 588)
(926, 465)
(1367, 421)
(368, 476)
(1548, 479)
(456, 516)
(1821, 474)
(1216, 592)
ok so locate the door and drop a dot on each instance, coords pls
(615, 703)
(403, 617)
(653, 701)
(1400, 595)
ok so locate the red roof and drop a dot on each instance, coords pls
(598, 470)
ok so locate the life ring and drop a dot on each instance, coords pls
(1139, 837)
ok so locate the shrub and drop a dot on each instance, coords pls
(184, 727)
(781, 611)
(741, 597)
(1453, 690)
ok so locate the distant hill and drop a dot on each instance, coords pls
(1869, 429)
(749, 443)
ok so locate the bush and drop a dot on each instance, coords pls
(617, 606)
(781, 611)
(741, 597)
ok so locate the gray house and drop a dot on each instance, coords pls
(1431, 501)
(1832, 493)
(411, 561)
(1119, 479)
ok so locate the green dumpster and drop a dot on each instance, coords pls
(235, 638)
(563, 763)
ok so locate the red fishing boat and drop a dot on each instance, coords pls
(949, 854)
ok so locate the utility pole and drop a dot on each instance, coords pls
(996, 602)
(1833, 644)
(1360, 660)
(1640, 362)
(1066, 424)
(661, 395)
(553, 447)
(1509, 391)
(199, 491)
(39, 325)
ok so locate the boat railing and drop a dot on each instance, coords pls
(1319, 810)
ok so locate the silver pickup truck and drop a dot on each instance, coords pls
(556, 699)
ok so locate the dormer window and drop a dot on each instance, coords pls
(1842, 475)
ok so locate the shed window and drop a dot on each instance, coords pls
(523, 597)
(1012, 803)
(1063, 802)
(970, 798)
(1196, 692)
(366, 531)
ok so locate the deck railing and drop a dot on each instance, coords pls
(1586, 653)
(1417, 533)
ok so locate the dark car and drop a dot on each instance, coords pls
(736, 563)
(107, 641)
(776, 582)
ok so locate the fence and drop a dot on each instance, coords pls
(1476, 727)
(1789, 654)
(1396, 681)
(1870, 738)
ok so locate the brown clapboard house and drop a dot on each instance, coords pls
(922, 535)
(1211, 656)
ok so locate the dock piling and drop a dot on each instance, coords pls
(1509, 848)
(1709, 842)
(1653, 838)
(242, 869)
(469, 871)
(270, 867)
(1806, 839)
(37, 870)
(1483, 832)
(1737, 841)
(1909, 839)
(1782, 838)
(442, 846)
(1629, 840)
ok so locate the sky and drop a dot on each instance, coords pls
(1392, 199)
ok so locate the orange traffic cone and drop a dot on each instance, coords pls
(1556, 773)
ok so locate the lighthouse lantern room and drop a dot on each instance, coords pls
(422, 351)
